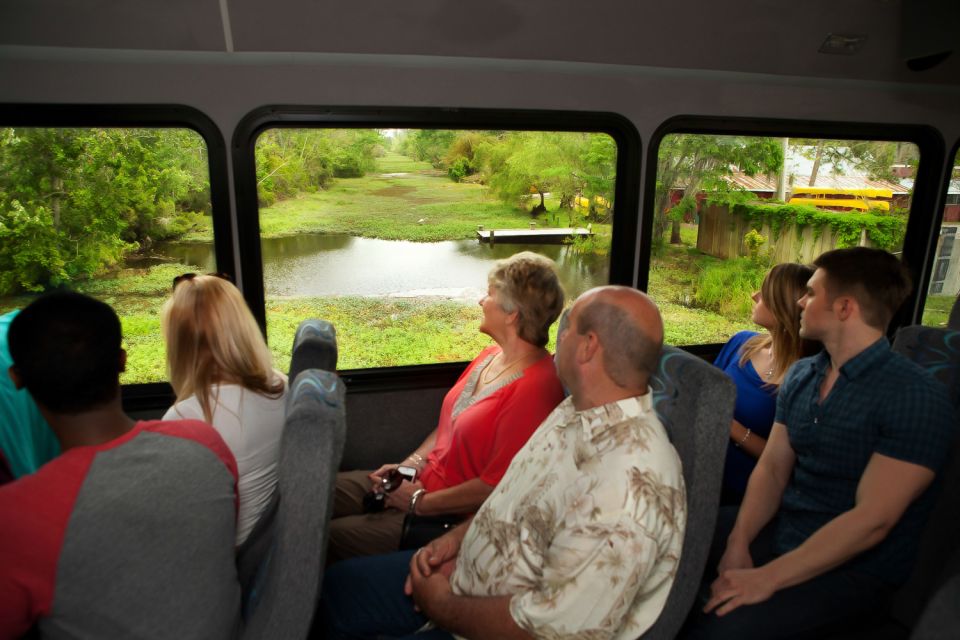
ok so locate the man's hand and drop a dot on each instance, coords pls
(439, 556)
(429, 589)
(736, 556)
(737, 587)
(399, 498)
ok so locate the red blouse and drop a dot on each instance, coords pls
(482, 439)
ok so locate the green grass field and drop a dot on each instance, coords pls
(418, 207)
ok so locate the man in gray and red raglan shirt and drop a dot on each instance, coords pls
(129, 532)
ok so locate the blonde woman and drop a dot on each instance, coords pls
(221, 373)
(757, 363)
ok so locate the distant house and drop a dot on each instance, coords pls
(951, 209)
(844, 182)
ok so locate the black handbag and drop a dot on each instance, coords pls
(419, 530)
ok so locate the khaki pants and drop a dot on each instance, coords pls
(355, 533)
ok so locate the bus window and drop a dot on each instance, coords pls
(945, 275)
(390, 233)
(729, 207)
(112, 212)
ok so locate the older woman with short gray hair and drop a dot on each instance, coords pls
(495, 406)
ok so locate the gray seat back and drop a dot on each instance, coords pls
(694, 400)
(938, 351)
(953, 321)
(941, 617)
(314, 347)
(283, 594)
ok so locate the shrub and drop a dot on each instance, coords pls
(725, 286)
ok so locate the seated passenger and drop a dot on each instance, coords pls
(581, 538)
(129, 532)
(486, 417)
(221, 372)
(757, 364)
(26, 442)
(834, 510)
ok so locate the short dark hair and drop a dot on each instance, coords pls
(875, 278)
(66, 349)
(630, 356)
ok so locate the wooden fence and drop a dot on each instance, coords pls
(721, 234)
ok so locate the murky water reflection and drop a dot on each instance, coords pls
(333, 264)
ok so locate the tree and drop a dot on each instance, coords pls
(520, 163)
(461, 158)
(73, 202)
(295, 161)
(875, 158)
(695, 162)
(429, 145)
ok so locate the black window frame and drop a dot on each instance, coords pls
(923, 226)
(926, 276)
(243, 148)
(146, 396)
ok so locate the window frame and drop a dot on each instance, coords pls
(926, 203)
(146, 396)
(243, 148)
(950, 158)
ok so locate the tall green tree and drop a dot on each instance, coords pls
(294, 161)
(875, 158)
(429, 145)
(696, 162)
(521, 163)
(73, 202)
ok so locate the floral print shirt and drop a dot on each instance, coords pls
(585, 529)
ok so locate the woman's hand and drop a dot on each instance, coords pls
(400, 497)
(377, 476)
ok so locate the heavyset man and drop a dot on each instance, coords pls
(581, 538)
(834, 509)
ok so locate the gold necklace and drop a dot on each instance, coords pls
(483, 377)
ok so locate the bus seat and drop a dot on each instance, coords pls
(314, 347)
(281, 597)
(694, 400)
(941, 617)
(937, 350)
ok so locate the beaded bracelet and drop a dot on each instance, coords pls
(417, 459)
(743, 440)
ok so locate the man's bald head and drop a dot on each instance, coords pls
(628, 325)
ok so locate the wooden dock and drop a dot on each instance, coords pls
(531, 236)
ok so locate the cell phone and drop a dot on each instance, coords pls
(393, 479)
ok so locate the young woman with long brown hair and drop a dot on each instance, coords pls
(757, 364)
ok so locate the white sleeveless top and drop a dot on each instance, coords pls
(251, 425)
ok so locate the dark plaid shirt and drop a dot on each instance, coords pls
(881, 403)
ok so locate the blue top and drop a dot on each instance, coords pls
(881, 403)
(26, 441)
(754, 409)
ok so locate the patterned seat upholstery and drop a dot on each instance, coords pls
(314, 347)
(694, 400)
(938, 351)
(279, 601)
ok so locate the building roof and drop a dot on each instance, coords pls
(764, 184)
